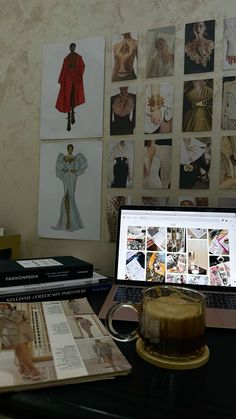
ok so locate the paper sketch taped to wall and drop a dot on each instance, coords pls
(157, 163)
(160, 52)
(71, 93)
(123, 110)
(121, 164)
(70, 183)
(112, 206)
(197, 105)
(195, 161)
(228, 162)
(228, 118)
(68, 169)
(199, 47)
(72, 89)
(124, 56)
(158, 116)
(229, 44)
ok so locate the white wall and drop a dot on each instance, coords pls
(26, 25)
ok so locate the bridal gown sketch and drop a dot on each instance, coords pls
(68, 169)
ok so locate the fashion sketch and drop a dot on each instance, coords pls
(199, 47)
(229, 44)
(228, 119)
(158, 116)
(160, 52)
(157, 163)
(197, 105)
(228, 162)
(123, 111)
(195, 160)
(121, 164)
(71, 93)
(68, 169)
(124, 56)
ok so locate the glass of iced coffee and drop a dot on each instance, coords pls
(171, 322)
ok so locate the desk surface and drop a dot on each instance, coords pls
(147, 392)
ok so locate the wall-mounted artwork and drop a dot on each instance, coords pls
(70, 183)
(229, 44)
(195, 161)
(190, 201)
(121, 155)
(155, 200)
(123, 110)
(157, 163)
(228, 162)
(158, 116)
(112, 206)
(160, 52)
(227, 202)
(228, 118)
(197, 105)
(72, 89)
(124, 56)
(199, 47)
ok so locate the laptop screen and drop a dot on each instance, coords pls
(179, 245)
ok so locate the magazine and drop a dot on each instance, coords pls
(53, 343)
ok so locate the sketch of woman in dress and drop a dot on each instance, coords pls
(157, 164)
(125, 55)
(199, 49)
(160, 56)
(197, 105)
(68, 169)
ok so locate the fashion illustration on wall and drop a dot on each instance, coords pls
(229, 45)
(123, 110)
(112, 206)
(157, 163)
(199, 47)
(197, 105)
(68, 168)
(121, 164)
(70, 183)
(160, 52)
(72, 89)
(228, 162)
(124, 56)
(195, 161)
(158, 108)
(228, 119)
(71, 93)
(190, 201)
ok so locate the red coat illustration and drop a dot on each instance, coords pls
(71, 77)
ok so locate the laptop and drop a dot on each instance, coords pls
(182, 246)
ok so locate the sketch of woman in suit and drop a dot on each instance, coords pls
(68, 169)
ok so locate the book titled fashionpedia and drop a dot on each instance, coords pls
(31, 271)
(53, 343)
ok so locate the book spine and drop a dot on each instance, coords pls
(59, 294)
(36, 275)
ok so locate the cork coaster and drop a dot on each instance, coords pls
(172, 364)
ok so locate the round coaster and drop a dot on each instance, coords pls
(169, 364)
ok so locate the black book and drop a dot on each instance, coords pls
(30, 271)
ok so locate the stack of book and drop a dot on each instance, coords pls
(52, 278)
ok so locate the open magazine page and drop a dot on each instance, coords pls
(55, 342)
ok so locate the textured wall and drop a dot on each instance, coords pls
(26, 25)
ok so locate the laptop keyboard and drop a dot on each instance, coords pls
(221, 301)
(213, 300)
(131, 294)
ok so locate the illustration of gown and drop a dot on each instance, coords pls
(198, 115)
(69, 218)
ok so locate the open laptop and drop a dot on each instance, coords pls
(183, 246)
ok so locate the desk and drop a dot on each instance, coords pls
(147, 392)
